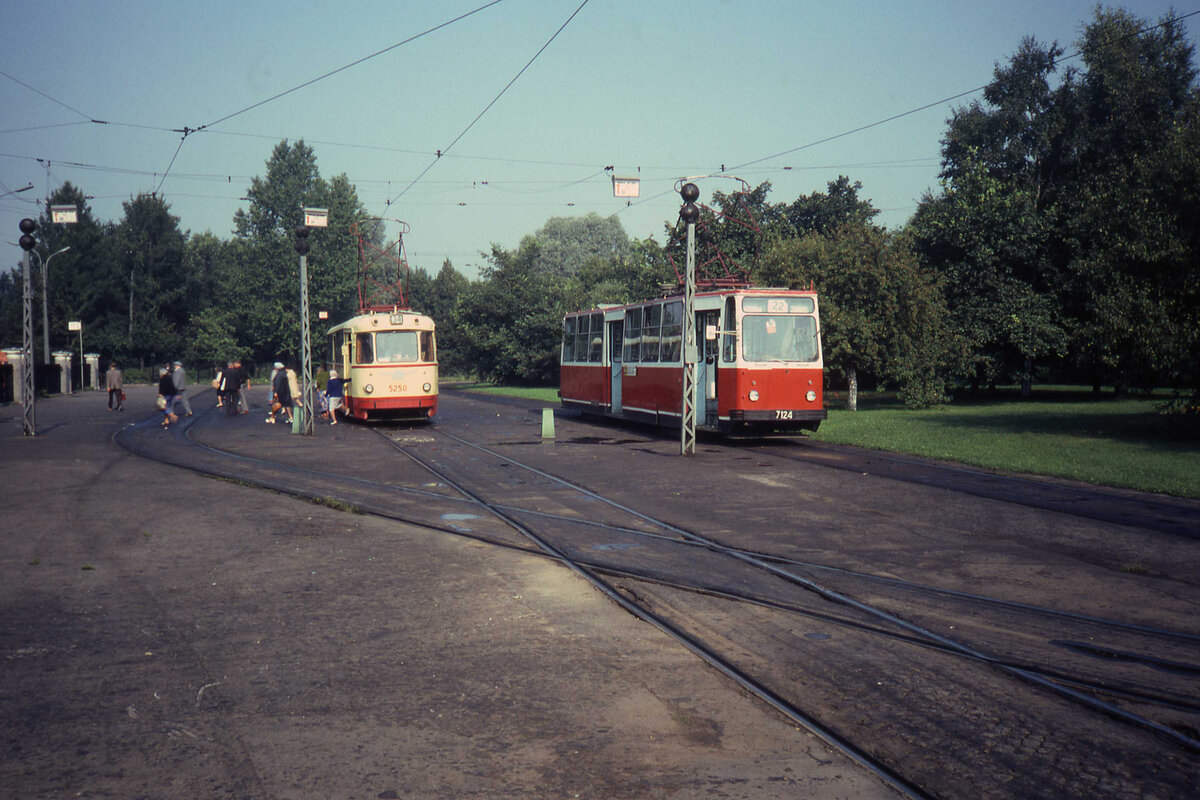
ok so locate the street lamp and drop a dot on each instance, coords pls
(45, 307)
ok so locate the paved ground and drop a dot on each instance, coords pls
(167, 635)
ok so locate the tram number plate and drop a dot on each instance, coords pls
(783, 415)
(397, 388)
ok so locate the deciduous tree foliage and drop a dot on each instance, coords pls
(266, 299)
(1066, 225)
(880, 311)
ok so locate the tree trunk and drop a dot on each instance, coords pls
(852, 395)
(1027, 379)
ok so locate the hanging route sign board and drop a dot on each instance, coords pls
(316, 217)
(65, 215)
(625, 187)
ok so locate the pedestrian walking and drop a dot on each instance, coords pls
(283, 393)
(243, 393)
(166, 397)
(229, 388)
(272, 407)
(179, 378)
(115, 383)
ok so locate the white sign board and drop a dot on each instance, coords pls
(75, 325)
(322, 315)
(316, 217)
(626, 187)
(67, 215)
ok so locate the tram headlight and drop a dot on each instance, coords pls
(427, 387)
(754, 395)
(811, 396)
(368, 388)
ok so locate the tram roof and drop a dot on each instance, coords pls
(386, 319)
(714, 292)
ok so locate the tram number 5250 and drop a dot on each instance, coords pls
(395, 388)
(783, 415)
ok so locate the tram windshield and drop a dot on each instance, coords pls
(778, 337)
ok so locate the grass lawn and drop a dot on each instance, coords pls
(1065, 432)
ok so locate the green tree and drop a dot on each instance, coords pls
(510, 320)
(990, 233)
(822, 212)
(441, 301)
(267, 291)
(82, 284)
(1128, 221)
(150, 250)
(567, 244)
(880, 311)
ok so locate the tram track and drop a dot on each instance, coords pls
(777, 566)
(628, 586)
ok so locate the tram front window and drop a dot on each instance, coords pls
(397, 347)
(779, 338)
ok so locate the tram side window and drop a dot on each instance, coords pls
(596, 343)
(428, 351)
(651, 320)
(568, 342)
(364, 353)
(581, 339)
(729, 332)
(672, 332)
(633, 335)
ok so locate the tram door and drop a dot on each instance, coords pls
(616, 336)
(709, 351)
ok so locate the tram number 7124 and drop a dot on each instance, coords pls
(783, 415)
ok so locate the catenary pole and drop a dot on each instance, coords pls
(306, 385)
(28, 396)
(689, 214)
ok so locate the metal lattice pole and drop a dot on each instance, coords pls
(28, 397)
(689, 213)
(306, 349)
(306, 380)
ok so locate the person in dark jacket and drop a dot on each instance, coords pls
(229, 388)
(166, 397)
(283, 394)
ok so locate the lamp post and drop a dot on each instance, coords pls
(45, 306)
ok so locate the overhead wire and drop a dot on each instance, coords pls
(87, 119)
(943, 101)
(187, 131)
(355, 63)
(486, 108)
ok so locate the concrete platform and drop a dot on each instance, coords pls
(168, 635)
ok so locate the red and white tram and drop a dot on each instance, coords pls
(758, 370)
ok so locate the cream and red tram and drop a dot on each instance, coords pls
(388, 360)
(759, 367)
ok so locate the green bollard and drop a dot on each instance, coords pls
(547, 423)
(298, 419)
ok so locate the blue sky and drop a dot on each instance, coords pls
(659, 90)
